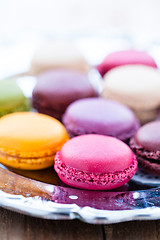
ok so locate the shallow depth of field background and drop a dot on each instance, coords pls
(140, 18)
(24, 23)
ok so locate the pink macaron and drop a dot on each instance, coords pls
(95, 162)
(125, 57)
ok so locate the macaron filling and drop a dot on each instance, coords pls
(96, 179)
(26, 163)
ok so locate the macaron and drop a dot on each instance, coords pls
(12, 98)
(30, 140)
(56, 89)
(95, 162)
(146, 145)
(100, 116)
(136, 86)
(125, 57)
(58, 54)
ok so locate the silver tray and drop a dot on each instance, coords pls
(39, 199)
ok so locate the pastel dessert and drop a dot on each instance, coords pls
(146, 145)
(95, 162)
(136, 86)
(30, 140)
(100, 116)
(12, 98)
(125, 57)
(58, 54)
(56, 89)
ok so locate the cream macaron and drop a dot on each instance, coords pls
(58, 54)
(136, 86)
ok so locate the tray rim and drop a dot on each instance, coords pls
(46, 209)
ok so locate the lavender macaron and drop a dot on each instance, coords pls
(100, 116)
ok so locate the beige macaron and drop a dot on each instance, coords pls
(136, 86)
(58, 54)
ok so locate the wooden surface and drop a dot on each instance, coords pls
(14, 226)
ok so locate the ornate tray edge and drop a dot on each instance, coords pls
(38, 207)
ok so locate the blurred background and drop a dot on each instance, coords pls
(97, 26)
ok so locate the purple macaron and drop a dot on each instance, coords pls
(100, 116)
(146, 145)
(56, 89)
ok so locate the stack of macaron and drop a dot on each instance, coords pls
(106, 137)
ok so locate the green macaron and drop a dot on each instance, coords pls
(12, 98)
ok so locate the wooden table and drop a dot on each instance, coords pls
(14, 226)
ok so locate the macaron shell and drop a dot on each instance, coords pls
(10, 95)
(31, 134)
(126, 57)
(153, 156)
(58, 54)
(110, 154)
(12, 98)
(24, 106)
(100, 116)
(146, 145)
(48, 111)
(148, 136)
(135, 85)
(56, 89)
(50, 93)
(145, 116)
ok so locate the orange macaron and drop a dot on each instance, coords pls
(30, 140)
